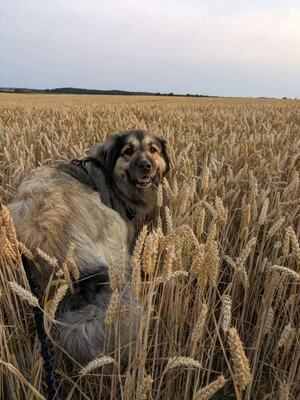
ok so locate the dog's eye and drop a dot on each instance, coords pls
(153, 149)
(129, 151)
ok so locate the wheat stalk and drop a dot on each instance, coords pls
(295, 245)
(275, 227)
(287, 337)
(52, 261)
(178, 362)
(269, 321)
(169, 223)
(200, 223)
(284, 391)
(24, 294)
(96, 363)
(208, 391)
(159, 196)
(9, 226)
(52, 305)
(221, 210)
(136, 262)
(112, 307)
(286, 271)
(24, 250)
(205, 179)
(263, 214)
(200, 324)
(226, 312)
(240, 361)
(71, 264)
(168, 265)
(144, 388)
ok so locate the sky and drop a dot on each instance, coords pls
(217, 47)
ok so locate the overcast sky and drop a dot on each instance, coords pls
(215, 47)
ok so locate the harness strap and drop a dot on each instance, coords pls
(130, 213)
(46, 345)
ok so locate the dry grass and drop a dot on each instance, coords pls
(219, 280)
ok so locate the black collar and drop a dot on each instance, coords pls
(130, 213)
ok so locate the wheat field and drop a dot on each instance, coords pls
(219, 277)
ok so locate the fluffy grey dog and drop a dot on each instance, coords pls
(96, 203)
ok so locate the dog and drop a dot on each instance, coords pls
(96, 204)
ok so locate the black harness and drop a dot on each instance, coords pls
(130, 213)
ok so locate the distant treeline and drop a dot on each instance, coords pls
(71, 90)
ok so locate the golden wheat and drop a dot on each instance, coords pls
(53, 304)
(95, 364)
(24, 294)
(187, 362)
(144, 389)
(226, 312)
(228, 209)
(208, 391)
(112, 307)
(199, 326)
(239, 359)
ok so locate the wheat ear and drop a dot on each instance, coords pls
(240, 361)
(96, 363)
(24, 294)
(208, 391)
(187, 362)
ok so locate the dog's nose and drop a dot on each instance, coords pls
(144, 165)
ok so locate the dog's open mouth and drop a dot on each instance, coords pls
(143, 182)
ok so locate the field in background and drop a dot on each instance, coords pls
(58, 100)
(226, 253)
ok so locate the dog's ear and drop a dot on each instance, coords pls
(108, 153)
(165, 154)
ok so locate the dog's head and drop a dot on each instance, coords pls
(137, 161)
